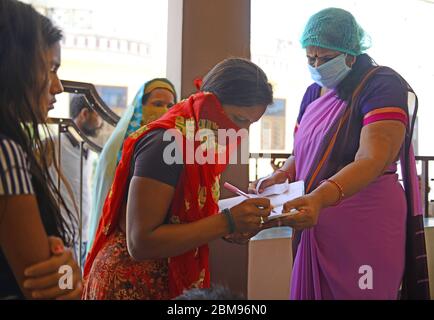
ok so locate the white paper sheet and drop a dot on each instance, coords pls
(272, 190)
(288, 191)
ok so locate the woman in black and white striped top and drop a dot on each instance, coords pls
(29, 199)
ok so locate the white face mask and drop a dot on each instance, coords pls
(331, 73)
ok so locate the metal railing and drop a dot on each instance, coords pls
(68, 126)
(93, 98)
(277, 159)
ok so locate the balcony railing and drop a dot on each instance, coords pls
(93, 98)
(277, 160)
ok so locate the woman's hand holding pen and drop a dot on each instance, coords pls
(251, 214)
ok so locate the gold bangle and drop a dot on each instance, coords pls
(340, 189)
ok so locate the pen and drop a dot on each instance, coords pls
(237, 191)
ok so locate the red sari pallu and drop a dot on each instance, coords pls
(197, 192)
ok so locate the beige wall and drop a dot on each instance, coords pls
(212, 30)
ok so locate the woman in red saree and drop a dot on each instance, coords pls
(151, 241)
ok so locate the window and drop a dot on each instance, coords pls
(114, 97)
(273, 127)
(115, 45)
(110, 43)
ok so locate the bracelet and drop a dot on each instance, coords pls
(231, 223)
(288, 175)
(341, 190)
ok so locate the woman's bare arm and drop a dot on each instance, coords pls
(149, 237)
(380, 143)
(23, 238)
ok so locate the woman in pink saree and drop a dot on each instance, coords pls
(358, 231)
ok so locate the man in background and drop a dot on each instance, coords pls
(89, 123)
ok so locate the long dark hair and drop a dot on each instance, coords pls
(23, 82)
(364, 63)
(50, 33)
(239, 82)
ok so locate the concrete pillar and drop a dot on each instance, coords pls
(201, 33)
